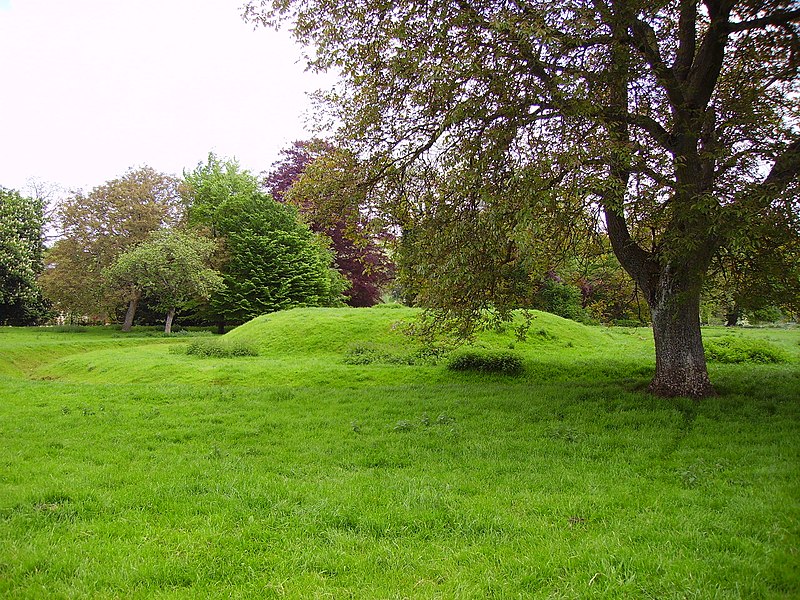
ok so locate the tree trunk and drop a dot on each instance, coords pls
(732, 317)
(132, 306)
(680, 360)
(220, 327)
(168, 324)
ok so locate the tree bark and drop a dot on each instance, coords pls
(220, 327)
(680, 359)
(131, 313)
(732, 316)
(168, 324)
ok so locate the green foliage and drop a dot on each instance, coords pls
(767, 314)
(505, 363)
(21, 259)
(368, 353)
(736, 350)
(99, 226)
(169, 268)
(270, 260)
(497, 136)
(560, 299)
(216, 348)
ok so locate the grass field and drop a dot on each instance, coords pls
(346, 461)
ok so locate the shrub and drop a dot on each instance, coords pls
(560, 299)
(206, 348)
(367, 354)
(506, 363)
(361, 354)
(742, 350)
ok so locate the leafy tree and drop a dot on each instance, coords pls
(315, 177)
(21, 251)
(760, 271)
(675, 122)
(96, 228)
(271, 261)
(169, 269)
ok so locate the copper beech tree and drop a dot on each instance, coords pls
(674, 123)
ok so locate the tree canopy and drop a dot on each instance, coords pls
(169, 269)
(271, 261)
(317, 178)
(501, 130)
(21, 256)
(95, 228)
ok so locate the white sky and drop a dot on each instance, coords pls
(89, 88)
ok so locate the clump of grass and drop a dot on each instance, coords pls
(367, 354)
(735, 350)
(217, 348)
(69, 329)
(159, 333)
(506, 363)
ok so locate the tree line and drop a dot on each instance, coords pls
(511, 148)
(220, 245)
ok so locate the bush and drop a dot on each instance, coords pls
(69, 329)
(220, 349)
(561, 299)
(506, 363)
(735, 350)
(768, 314)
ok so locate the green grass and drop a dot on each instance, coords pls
(128, 470)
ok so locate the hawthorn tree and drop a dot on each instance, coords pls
(673, 125)
(315, 176)
(95, 228)
(21, 252)
(169, 269)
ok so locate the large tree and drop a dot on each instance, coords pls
(316, 177)
(95, 228)
(675, 121)
(21, 252)
(270, 260)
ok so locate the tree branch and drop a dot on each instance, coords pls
(779, 18)
(687, 39)
(703, 75)
(785, 170)
(644, 39)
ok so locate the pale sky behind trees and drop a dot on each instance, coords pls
(93, 87)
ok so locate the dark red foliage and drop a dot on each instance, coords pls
(363, 262)
(291, 165)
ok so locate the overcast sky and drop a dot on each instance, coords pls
(89, 88)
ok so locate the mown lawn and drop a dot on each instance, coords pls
(129, 469)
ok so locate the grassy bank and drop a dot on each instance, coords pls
(345, 460)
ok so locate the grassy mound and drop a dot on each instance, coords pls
(347, 347)
(307, 331)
